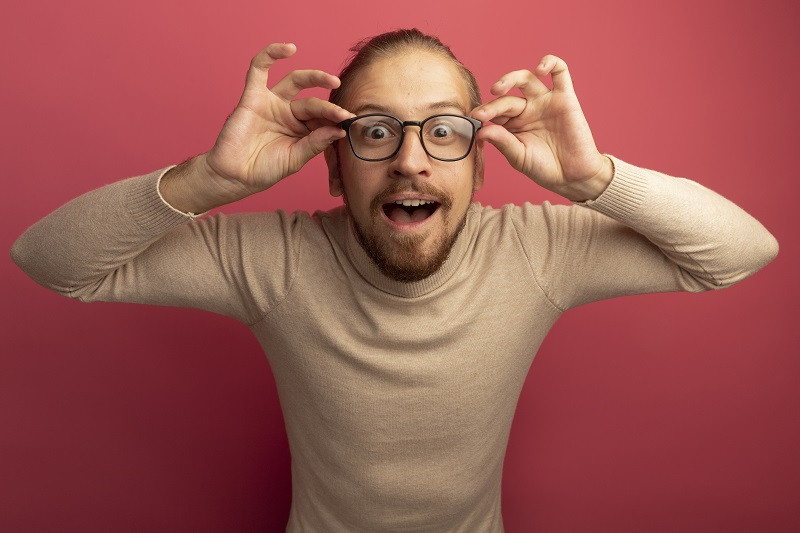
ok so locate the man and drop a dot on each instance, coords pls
(401, 326)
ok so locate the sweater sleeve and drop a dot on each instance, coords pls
(647, 232)
(123, 243)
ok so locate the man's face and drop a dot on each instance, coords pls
(410, 243)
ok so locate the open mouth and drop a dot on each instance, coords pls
(409, 211)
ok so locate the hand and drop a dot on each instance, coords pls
(270, 134)
(543, 134)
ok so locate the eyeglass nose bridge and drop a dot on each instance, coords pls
(403, 125)
(416, 123)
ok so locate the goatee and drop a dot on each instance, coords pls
(401, 259)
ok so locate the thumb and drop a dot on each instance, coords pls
(313, 144)
(505, 141)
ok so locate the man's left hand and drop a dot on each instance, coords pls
(543, 133)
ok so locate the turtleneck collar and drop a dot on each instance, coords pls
(372, 274)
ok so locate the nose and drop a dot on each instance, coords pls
(411, 160)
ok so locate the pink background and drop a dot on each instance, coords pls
(658, 413)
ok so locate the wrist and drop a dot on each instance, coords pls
(193, 187)
(592, 188)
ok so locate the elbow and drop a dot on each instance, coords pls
(22, 256)
(747, 261)
(771, 249)
(35, 264)
(762, 251)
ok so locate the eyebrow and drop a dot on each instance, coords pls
(444, 104)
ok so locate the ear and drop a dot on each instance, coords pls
(334, 170)
(477, 183)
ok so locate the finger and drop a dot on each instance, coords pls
(259, 66)
(505, 141)
(297, 80)
(312, 144)
(505, 107)
(557, 68)
(306, 109)
(524, 80)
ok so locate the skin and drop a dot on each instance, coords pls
(392, 85)
(271, 134)
(543, 133)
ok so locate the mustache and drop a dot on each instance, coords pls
(399, 187)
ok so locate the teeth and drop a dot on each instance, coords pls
(412, 203)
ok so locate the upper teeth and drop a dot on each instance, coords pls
(413, 203)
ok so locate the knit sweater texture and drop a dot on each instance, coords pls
(398, 397)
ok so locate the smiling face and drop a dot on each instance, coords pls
(407, 210)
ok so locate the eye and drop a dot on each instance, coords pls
(377, 132)
(441, 131)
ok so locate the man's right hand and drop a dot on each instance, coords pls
(269, 136)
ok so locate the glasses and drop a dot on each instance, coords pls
(377, 137)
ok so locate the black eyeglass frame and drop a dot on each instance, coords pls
(476, 125)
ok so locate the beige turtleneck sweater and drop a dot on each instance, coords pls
(398, 397)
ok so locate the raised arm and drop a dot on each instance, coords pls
(270, 135)
(647, 232)
(130, 241)
(659, 233)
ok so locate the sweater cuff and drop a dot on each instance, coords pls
(148, 208)
(624, 194)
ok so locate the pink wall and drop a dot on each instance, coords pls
(656, 413)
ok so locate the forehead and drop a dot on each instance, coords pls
(409, 84)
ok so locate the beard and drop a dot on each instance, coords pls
(399, 256)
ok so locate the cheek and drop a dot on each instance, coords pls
(352, 180)
(467, 183)
(359, 194)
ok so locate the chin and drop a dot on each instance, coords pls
(408, 257)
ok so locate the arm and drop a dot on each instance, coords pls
(656, 232)
(124, 242)
(647, 232)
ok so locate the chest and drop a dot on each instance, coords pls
(464, 344)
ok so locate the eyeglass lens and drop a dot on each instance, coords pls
(444, 137)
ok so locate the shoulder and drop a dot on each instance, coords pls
(525, 215)
(535, 227)
(271, 223)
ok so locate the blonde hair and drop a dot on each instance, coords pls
(371, 49)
